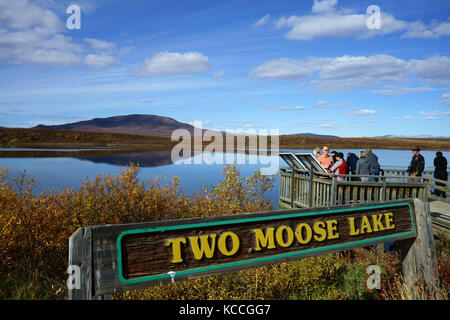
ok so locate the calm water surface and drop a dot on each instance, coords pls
(60, 169)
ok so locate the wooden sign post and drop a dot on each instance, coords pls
(130, 256)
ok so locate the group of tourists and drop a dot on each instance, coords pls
(334, 162)
(368, 166)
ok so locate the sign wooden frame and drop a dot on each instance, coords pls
(103, 253)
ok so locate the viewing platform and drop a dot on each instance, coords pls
(301, 188)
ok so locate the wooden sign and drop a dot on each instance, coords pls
(141, 254)
(199, 248)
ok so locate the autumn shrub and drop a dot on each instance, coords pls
(35, 226)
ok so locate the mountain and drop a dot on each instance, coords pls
(314, 135)
(142, 124)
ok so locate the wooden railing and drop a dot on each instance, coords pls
(300, 188)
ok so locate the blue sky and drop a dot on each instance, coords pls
(296, 66)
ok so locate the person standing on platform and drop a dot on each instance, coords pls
(352, 160)
(363, 166)
(375, 166)
(416, 166)
(440, 172)
(340, 167)
(325, 160)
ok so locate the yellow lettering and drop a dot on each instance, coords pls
(377, 224)
(332, 229)
(176, 248)
(319, 229)
(365, 225)
(205, 248)
(262, 240)
(280, 238)
(299, 233)
(389, 219)
(222, 243)
(353, 231)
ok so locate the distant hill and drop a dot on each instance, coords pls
(141, 124)
(423, 136)
(315, 135)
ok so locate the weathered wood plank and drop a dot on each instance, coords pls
(80, 255)
(419, 255)
(340, 195)
(362, 195)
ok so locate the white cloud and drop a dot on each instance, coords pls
(407, 117)
(100, 44)
(284, 69)
(31, 33)
(98, 61)
(383, 67)
(435, 69)
(390, 90)
(434, 114)
(361, 112)
(326, 105)
(218, 74)
(429, 115)
(332, 125)
(350, 72)
(22, 14)
(323, 6)
(446, 99)
(336, 25)
(173, 63)
(297, 108)
(327, 21)
(264, 20)
(435, 30)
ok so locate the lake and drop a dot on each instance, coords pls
(62, 168)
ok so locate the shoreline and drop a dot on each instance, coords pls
(66, 139)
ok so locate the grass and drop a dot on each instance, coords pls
(41, 138)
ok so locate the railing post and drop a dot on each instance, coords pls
(333, 191)
(383, 189)
(427, 188)
(310, 200)
(292, 187)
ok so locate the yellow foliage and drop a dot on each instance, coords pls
(35, 228)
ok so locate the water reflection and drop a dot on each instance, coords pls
(60, 169)
(112, 157)
(145, 159)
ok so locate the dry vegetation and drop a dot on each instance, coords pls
(291, 141)
(41, 138)
(35, 227)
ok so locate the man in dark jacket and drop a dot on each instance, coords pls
(373, 159)
(440, 172)
(352, 159)
(416, 166)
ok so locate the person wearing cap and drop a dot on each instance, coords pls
(416, 166)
